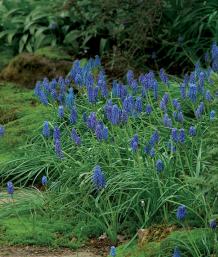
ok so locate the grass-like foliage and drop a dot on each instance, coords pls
(123, 158)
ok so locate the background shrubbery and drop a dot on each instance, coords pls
(174, 34)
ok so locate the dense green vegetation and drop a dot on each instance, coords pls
(100, 157)
(174, 34)
(110, 196)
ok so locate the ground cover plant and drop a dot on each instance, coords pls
(127, 156)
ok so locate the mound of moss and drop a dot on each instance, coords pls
(25, 69)
(21, 115)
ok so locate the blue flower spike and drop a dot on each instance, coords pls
(44, 181)
(10, 188)
(113, 251)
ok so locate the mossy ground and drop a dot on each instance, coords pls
(21, 115)
(24, 221)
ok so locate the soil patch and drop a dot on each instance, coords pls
(25, 69)
(30, 251)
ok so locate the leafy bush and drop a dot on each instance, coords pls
(25, 24)
(83, 25)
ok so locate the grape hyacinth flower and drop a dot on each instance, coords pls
(92, 121)
(42, 97)
(130, 77)
(76, 138)
(147, 149)
(138, 104)
(115, 115)
(124, 116)
(181, 212)
(44, 181)
(134, 143)
(182, 136)
(54, 94)
(214, 53)
(119, 90)
(192, 131)
(152, 152)
(98, 178)
(174, 134)
(199, 111)
(148, 109)
(201, 82)
(176, 252)
(99, 132)
(70, 99)
(208, 96)
(164, 77)
(213, 224)
(56, 134)
(176, 104)
(92, 94)
(128, 104)
(163, 106)
(108, 109)
(61, 111)
(167, 121)
(105, 133)
(192, 94)
(159, 165)
(192, 78)
(113, 251)
(134, 86)
(212, 115)
(186, 79)
(10, 188)
(2, 131)
(73, 116)
(46, 129)
(58, 149)
(154, 138)
(180, 117)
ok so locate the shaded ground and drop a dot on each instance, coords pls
(30, 251)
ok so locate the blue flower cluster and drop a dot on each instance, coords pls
(98, 178)
(140, 101)
(2, 131)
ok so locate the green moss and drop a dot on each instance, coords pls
(22, 115)
(25, 221)
(53, 53)
(151, 249)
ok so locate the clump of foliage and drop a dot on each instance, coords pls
(121, 158)
(26, 25)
